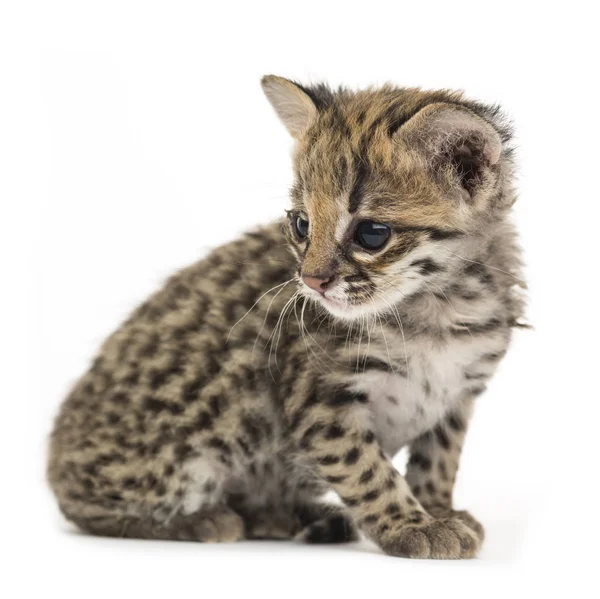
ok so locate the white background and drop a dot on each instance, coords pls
(134, 136)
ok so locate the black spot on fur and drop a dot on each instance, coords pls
(372, 495)
(346, 397)
(441, 235)
(329, 460)
(157, 379)
(334, 431)
(476, 376)
(121, 399)
(366, 476)
(251, 426)
(420, 460)
(455, 422)
(369, 437)
(442, 437)
(415, 518)
(443, 470)
(130, 483)
(204, 421)
(217, 405)
(112, 418)
(370, 519)
(371, 363)
(309, 434)
(357, 278)
(209, 486)
(478, 328)
(192, 389)
(427, 266)
(390, 482)
(356, 194)
(335, 479)
(244, 447)
(154, 405)
(352, 456)
(218, 443)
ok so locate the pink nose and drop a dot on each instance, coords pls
(319, 284)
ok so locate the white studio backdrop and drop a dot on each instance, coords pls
(134, 137)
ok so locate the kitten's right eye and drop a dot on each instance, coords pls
(301, 225)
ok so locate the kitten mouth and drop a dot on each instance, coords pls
(336, 304)
(340, 307)
(332, 302)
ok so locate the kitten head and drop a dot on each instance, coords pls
(387, 183)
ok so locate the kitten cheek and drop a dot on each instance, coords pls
(365, 259)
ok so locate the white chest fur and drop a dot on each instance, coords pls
(436, 377)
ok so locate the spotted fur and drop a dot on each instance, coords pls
(232, 400)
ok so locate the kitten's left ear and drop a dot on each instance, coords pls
(291, 103)
(458, 146)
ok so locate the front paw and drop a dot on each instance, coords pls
(447, 538)
(462, 515)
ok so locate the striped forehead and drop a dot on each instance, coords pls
(345, 187)
(345, 170)
(334, 203)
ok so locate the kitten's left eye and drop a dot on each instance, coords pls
(371, 235)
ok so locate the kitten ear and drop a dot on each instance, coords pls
(459, 146)
(291, 103)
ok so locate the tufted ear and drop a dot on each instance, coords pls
(291, 103)
(459, 146)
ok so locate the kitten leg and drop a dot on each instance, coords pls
(331, 426)
(433, 464)
(217, 524)
(165, 500)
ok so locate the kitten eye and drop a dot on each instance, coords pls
(301, 225)
(371, 235)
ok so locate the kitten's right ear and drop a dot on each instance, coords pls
(459, 147)
(291, 103)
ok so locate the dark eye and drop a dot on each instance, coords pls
(301, 225)
(371, 236)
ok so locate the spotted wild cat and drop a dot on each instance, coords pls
(258, 379)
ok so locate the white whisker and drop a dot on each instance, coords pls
(267, 314)
(510, 274)
(255, 304)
